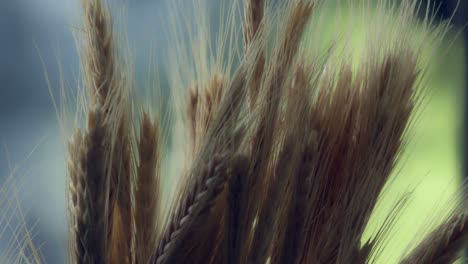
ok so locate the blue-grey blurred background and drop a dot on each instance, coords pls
(36, 38)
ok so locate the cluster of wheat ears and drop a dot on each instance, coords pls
(288, 151)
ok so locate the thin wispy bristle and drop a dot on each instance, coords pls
(16, 236)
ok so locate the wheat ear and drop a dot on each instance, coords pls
(147, 192)
(99, 52)
(443, 245)
(202, 106)
(208, 182)
(105, 82)
(88, 166)
(91, 202)
(122, 180)
(284, 54)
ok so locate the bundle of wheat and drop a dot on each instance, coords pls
(288, 151)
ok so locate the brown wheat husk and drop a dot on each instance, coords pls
(99, 53)
(147, 193)
(92, 203)
(208, 182)
(254, 13)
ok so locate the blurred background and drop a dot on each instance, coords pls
(36, 41)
